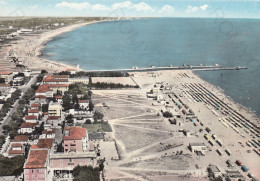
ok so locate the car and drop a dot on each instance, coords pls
(239, 163)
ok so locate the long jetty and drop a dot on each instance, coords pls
(153, 68)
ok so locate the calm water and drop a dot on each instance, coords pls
(161, 42)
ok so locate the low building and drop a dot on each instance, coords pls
(52, 122)
(62, 164)
(16, 149)
(7, 76)
(31, 119)
(56, 79)
(23, 139)
(55, 109)
(48, 133)
(27, 127)
(84, 104)
(18, 81)
(84, 80)
(35, 167)
(198, 148)
(75, 139)
(214, 171)
(35, 106)
(34, 112)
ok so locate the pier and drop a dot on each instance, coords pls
(185, 67)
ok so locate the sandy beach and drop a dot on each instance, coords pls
(28, 51)
(153, 154)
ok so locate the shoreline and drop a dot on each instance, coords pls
(28, 50)
(227, 97)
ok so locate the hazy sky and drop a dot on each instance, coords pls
(162, 8)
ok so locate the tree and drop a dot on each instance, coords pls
(98, 115)
(66, 102)
(2, 80)
(75, 99)
(7, 128)
(91, 106)
(60, 147)
(88, 121)
(86, 173)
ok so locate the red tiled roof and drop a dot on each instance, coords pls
(56, 78)
(36, 159)
(4, 85)
(75, 133)
(28, 125)
(58, 97)
(30, 117)
(21, 138)
(5, 73)
(40, 97)
(33, 110)
(46, 113)
(16, 145)
(43, 88)
(83, 101)
(43, 143)
(35, 105)
(53, 130)
(53, 117)
(15, 152)
(46, 87)
(60, 76)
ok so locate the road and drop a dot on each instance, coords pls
(23, 88)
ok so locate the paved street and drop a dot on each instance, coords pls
(13, 110)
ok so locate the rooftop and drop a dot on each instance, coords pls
(197, 144)
(36, 159)
(53, 117)
(46, 87)
(83, 101)
(30, 117)
(5, 73)
(21, 138)
(14, 152)
(49, 131)
(75, 133)
(33, 110)
(28, 125)
(35, 105)
(16, 145)
(43, 143)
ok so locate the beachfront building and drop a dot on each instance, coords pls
(56, 79)
(48, 91)
(7, 76)
(55, 109)
(75, 139)
(84, 80)
(35, 167)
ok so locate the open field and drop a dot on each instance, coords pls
(151, 148)
(97, 127)
(115, 80)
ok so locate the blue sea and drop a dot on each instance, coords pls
(171, 41)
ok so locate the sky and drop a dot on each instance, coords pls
(133, 8)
